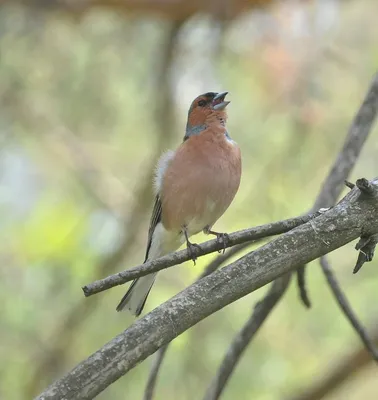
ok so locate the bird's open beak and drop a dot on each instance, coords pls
(218, 102)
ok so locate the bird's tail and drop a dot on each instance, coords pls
(161, 243)
(135, 298)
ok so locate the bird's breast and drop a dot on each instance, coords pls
(200, 183)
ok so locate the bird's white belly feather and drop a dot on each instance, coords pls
(199, 222)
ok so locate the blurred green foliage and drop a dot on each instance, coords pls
(81, 127)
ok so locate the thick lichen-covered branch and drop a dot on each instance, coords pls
(354, 215)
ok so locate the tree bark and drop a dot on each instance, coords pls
(353, 216)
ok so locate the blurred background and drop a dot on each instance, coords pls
(91, 93)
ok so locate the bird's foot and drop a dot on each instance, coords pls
(190, 247)
(221, 238)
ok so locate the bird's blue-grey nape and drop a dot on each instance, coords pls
(193, 130)
(196, 130)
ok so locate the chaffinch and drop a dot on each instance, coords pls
(194, 186)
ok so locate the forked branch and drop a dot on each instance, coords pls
(352, 216)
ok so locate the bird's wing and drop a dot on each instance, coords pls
(161, 167)
(155, 219)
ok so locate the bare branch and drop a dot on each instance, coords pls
(330, 191)
(333, 229)
(346, 308)
(343, 370)
(246, 334)
(301, 281)
(243, 236)
(170, 10)
(70, 323)
(348, 184)
(366, 246)
(328, 195)
(151, 383)
(333, 185)
(211, 267)
(346, 160)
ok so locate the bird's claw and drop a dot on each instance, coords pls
(190, 246)
(224, 238)
(221, 238)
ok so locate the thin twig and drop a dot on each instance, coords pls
(346, 308)
(333, 185)
(342, 371)
(348, 184)
(241, 341)
(366, 247)
(301, 281)
(152, 378)
(243, 236)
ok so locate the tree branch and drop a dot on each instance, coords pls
(152, 378)
(69, 324)
(328, 195)
(343, 370)
(343, 165)
(346, 308)
(302, 286)
(244, 337)
(353, 215)
(211, 267)
(366, 246)
(170, 260)
(171, 10)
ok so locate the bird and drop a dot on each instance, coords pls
(193, 185)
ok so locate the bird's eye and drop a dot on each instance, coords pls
(202, 103)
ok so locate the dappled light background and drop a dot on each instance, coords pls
(89, 99)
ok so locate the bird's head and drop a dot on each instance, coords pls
(206, 108)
